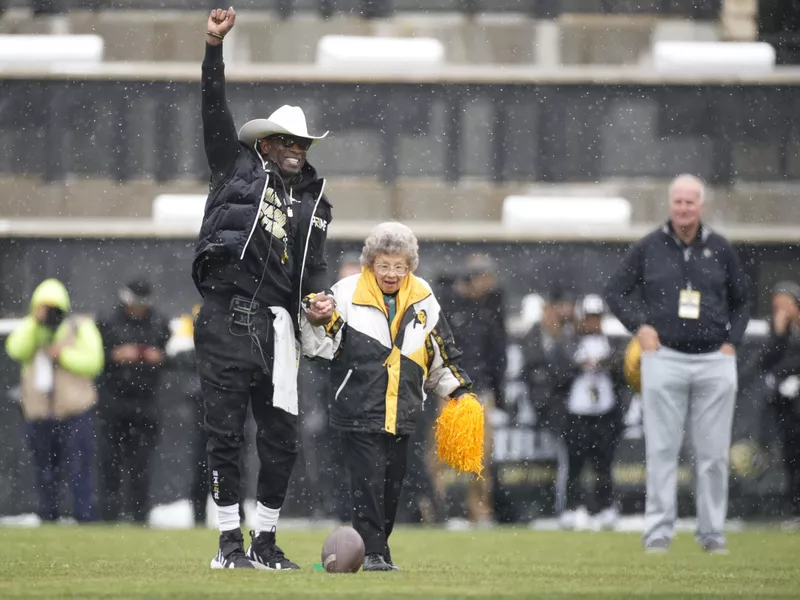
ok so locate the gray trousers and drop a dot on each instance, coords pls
(703, 387)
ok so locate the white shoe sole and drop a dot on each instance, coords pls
(215, 564)
(259, 565)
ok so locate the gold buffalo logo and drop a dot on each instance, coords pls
(421, 318)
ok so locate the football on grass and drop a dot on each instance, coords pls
(343, 551)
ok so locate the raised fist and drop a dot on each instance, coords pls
(221, 21)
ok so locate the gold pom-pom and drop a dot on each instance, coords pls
(459, 434)
(633, 365)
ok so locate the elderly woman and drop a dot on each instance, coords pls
(386, 339)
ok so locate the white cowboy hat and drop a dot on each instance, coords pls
(287, 119)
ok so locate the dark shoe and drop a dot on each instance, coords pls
(391, 564)
(715, 546)
(264, 551)
(388, 558)
(657, 546)
(375, 562)
(231, 552)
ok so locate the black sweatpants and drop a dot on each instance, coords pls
(200, 488)
(377, 466)
(591, 439)
(234, 345)
(128, 439)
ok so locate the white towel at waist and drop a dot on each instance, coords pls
(286, 355)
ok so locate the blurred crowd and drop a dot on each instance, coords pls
(99, 439)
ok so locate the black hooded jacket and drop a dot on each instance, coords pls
(137, 381)
(780, 360)
(480, 331)
(262, 236)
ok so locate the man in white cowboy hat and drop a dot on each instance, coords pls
(260, 252)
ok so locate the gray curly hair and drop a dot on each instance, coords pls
(391, 238)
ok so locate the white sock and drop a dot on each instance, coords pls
(229, 517)
(266, 518)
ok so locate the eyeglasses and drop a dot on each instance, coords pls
(287, 141)
(383, 269)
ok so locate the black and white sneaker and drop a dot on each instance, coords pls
(391, 564)
(264, 552)
(388, 558)
(376, 562)
(231, 552)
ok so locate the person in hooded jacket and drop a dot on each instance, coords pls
(61, 354)
(260, 251)
(135, 336)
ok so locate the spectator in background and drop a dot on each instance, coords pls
(135, 336)
(543, 349)
(182, 358)
(322, 445)
(683, 293)
(474, 307)
(61, 354)
(781, 361)
(594, 420)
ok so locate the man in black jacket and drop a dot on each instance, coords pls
(474, 307)
(544, 357)
(135, 336)
(260, 251)
(683, 293)
(781, 361)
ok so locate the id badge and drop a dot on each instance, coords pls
(689, 304)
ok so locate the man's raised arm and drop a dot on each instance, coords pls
(219, 132)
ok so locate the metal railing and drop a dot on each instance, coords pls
(474, 122)
(542, 9)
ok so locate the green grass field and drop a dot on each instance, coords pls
(126, 562)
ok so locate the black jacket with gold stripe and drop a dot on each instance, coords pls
(380, 370)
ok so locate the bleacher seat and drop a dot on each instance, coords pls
(182, 209)
(713, 57)
(565, 212)
(46, 50)
(381, 53)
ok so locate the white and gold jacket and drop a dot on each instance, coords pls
(380, 371)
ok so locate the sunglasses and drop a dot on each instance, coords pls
(288, 142)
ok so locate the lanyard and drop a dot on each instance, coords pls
(687, 256)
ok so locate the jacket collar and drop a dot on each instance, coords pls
(702, 233)
(369, 294)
